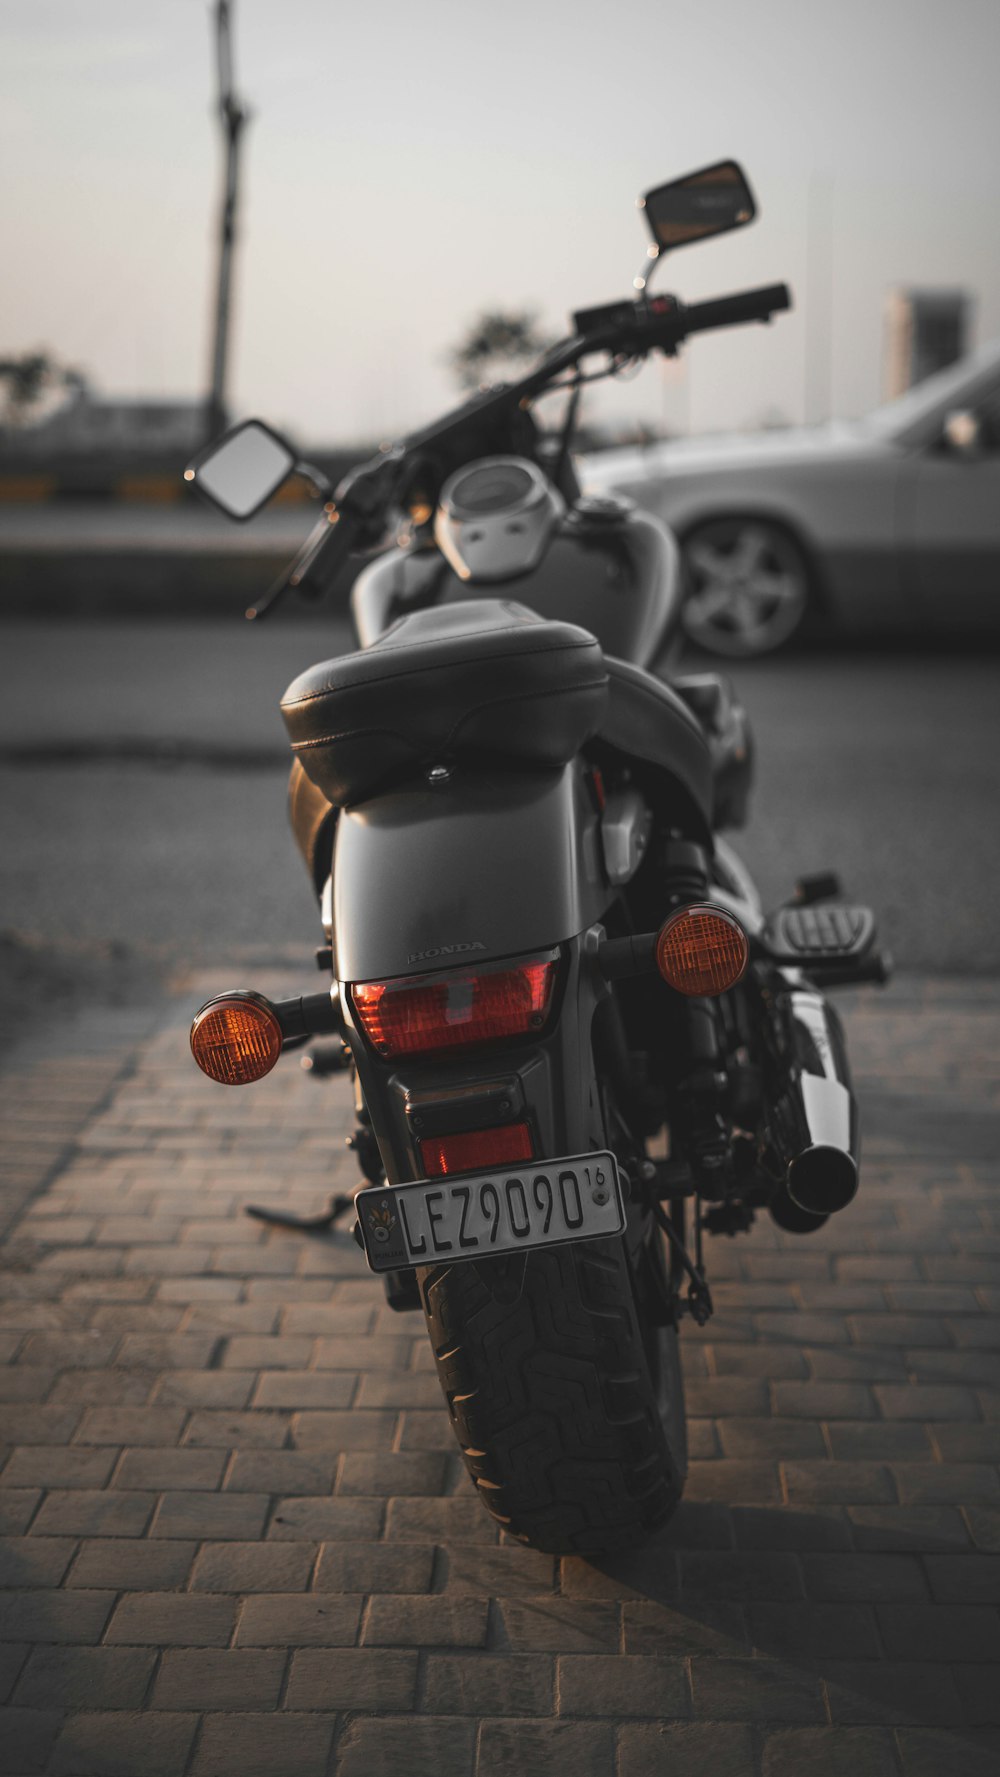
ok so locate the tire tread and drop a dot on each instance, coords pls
(543, 1367)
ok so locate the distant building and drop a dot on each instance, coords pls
(925, 330)
(90, 422)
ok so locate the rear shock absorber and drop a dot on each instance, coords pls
(683, 871)
(700, 1094)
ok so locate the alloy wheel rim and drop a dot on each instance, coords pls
(746, 589)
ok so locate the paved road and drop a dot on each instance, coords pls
(143, 765)
(239, 1540)
(107, 527)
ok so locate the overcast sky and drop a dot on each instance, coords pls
(408, 165)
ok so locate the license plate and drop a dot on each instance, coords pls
(545, 1203)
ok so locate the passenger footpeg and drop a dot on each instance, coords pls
(833, 942)
(326, 1059)
(831, 932)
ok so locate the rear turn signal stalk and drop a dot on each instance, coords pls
(237, 1038)
(700, 951)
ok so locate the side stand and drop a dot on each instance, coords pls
(324, 1060)
(319, 1224)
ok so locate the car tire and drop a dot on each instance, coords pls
(746, 587)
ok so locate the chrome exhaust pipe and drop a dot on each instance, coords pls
(814, 1132)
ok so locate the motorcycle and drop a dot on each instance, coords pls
(578, 1043)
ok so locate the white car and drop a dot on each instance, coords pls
(886, 524)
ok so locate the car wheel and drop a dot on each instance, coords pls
(746, 587)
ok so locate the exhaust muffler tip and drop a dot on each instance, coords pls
(791, 1218)
(822, 1180)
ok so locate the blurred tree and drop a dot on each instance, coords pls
(499, 343)
(29, 378)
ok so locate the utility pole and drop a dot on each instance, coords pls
(233, 116)
(818, 392)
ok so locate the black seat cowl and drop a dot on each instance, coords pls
(481, 677)
(652, 730)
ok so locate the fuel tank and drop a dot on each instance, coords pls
(609, 568)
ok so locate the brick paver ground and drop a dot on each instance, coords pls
(237, 1538)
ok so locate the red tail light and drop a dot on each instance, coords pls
(418, 1014)
(478, 1148)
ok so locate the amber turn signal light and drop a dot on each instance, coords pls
(236, 1039)
(702, 950)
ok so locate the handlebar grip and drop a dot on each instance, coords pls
(730, 311)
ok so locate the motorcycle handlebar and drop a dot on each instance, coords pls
(633, 328)
(730, 311)
(663, 323)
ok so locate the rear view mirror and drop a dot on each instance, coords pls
(711, 201)
(241, 472)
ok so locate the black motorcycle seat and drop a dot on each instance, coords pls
(486, 676)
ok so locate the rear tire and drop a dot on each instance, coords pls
(568, 1410)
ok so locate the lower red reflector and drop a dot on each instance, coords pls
(476, 1150)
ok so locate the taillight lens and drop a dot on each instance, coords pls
(702, 950)
(418, 1014)
(476, 1149)
(236, 1039)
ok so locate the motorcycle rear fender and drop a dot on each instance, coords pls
(459, 874)
(548, 1082)
(476, 867)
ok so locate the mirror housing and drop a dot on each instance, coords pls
(242, 470)
(711, 201)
